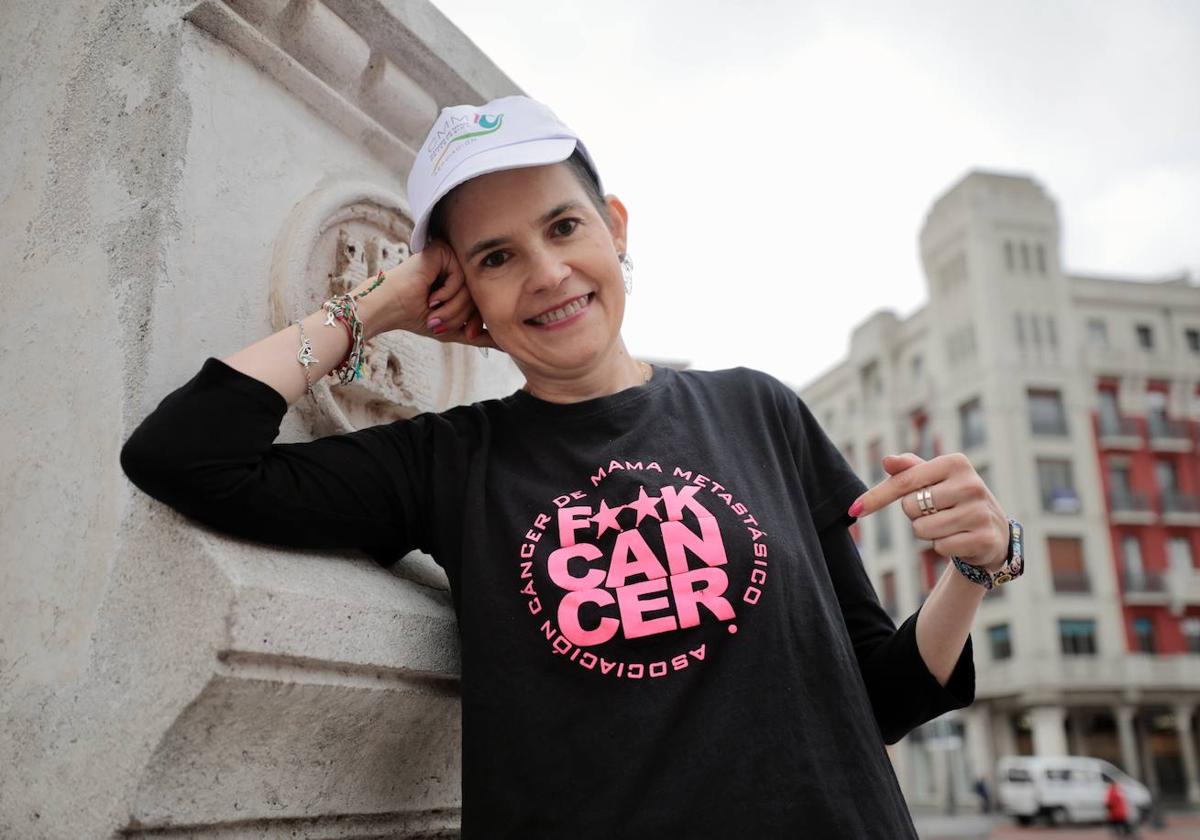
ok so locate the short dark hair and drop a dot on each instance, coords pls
(583, 174)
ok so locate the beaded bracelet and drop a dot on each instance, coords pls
(343, 309)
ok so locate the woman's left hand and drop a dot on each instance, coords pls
(969, 521)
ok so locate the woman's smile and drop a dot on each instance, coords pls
(559, 317)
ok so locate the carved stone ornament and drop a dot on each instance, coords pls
(334, 240)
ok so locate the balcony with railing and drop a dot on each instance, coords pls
(1167, 435)
(1098, 672)
(1069, 582)
(1118, 433)
(1061, 499)
(1130, 507)
(1049, 426)
(1180, 508)
(1144, 587)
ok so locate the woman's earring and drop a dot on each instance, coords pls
(627, 270)
(483, 350)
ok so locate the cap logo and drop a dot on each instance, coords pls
(459, 129)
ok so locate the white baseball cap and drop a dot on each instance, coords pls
(468, 140)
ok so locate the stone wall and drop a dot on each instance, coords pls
(181, 179)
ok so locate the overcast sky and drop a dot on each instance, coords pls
(778, 158)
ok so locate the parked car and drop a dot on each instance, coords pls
(1062, 789)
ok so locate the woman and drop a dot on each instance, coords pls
(666, 627)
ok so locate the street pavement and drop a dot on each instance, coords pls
(1177, 825)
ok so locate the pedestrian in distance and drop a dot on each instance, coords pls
(985, 797)
(1119, 817)
(666, 627)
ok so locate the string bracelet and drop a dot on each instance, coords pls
(343, 309)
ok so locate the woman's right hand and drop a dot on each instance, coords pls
(427, 295)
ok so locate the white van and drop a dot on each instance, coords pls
(1061, 789)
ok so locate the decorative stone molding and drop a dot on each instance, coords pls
(335, 239)
(366, 67)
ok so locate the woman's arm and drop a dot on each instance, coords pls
(945, 621)
(207, 450)
(904, 692)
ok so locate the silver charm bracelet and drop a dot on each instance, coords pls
(305, 355)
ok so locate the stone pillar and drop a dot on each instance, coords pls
(1003, 735)
(1076, 735)
(180, 180)
(1127, 733)
(937, 778)
(980, 756)
(1146, 753)
(1187, 748)
(1049, 732)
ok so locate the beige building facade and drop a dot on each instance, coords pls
(1078, 400)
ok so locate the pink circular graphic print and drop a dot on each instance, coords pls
(637, 575)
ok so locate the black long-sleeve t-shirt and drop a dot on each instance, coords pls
(666, 628)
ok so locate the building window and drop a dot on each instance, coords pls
(999, 641)
(1145, 337)
(1046, 414)
(970, 423)
(1118, 479)
(1179, 553)
(848, 454)
(1077, 636)
(1191, 632)
(1121, 495)
(937, 567)
(1131, 556)
(889, 594)
(917, 361)
(872, 383)
(1191, 337)
(875, 456)
(1156, 412)
(883, 528)
(1110, 414)
(1067, 565)
(922, 435)
(1051, 332)
(1057, 486)
(1041, 259)
(1019, 322)
(1025, 257)
(1143, 634)
(1097, 333)
(1008, 256)
(1166, 477)
(1035, 325)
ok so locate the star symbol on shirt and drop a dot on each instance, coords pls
(606, 518)
(646, 505)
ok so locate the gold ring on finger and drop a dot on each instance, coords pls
(925, 501)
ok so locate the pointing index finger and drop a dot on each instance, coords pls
(900, 483)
